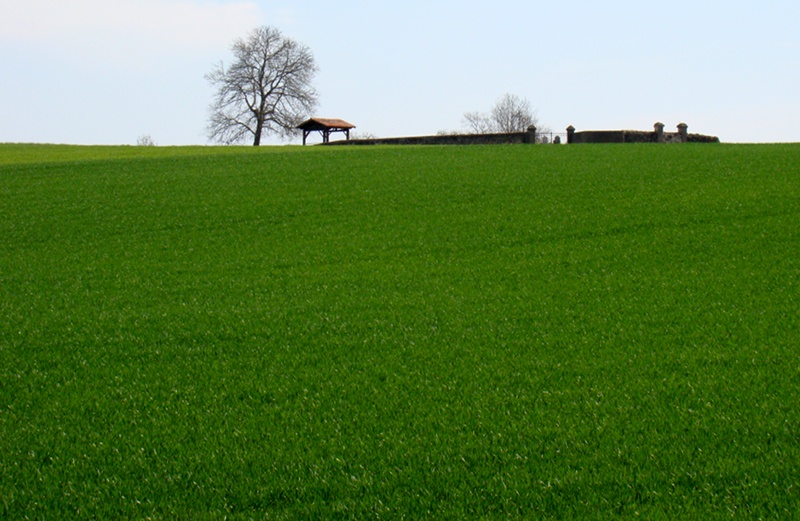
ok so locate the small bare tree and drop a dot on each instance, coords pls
(145, 141)
(362, 135)
(267, 89)
(479, 123)
(510, 114)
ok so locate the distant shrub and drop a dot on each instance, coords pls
(145, 141)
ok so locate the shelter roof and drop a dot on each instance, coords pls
(325, 123)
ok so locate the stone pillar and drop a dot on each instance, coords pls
(530, 136)
(683, 132)
(659, 127)
(570, 134)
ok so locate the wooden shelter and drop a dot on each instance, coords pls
(326, 127)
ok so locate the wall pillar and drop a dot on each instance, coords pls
(570, 134)
(683, 132)
(659, 128)
(530, 136)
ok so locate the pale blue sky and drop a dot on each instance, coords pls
(109, 71)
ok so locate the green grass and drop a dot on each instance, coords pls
(585, 332)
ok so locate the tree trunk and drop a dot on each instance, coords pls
(259, 128)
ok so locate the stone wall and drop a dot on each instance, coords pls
(597, 136)
(587, 136)
(512, 138)
(700, 138)
(638, 136)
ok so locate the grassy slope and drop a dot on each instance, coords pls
(586, 331)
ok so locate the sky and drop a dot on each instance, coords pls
(112, 71)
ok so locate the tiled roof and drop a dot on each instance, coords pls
(326, 122)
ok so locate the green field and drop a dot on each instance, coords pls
(541, 332)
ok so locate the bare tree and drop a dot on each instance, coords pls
(479, 123)
(267, 89)
(510, 114)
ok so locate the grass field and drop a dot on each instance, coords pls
(543, 332)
